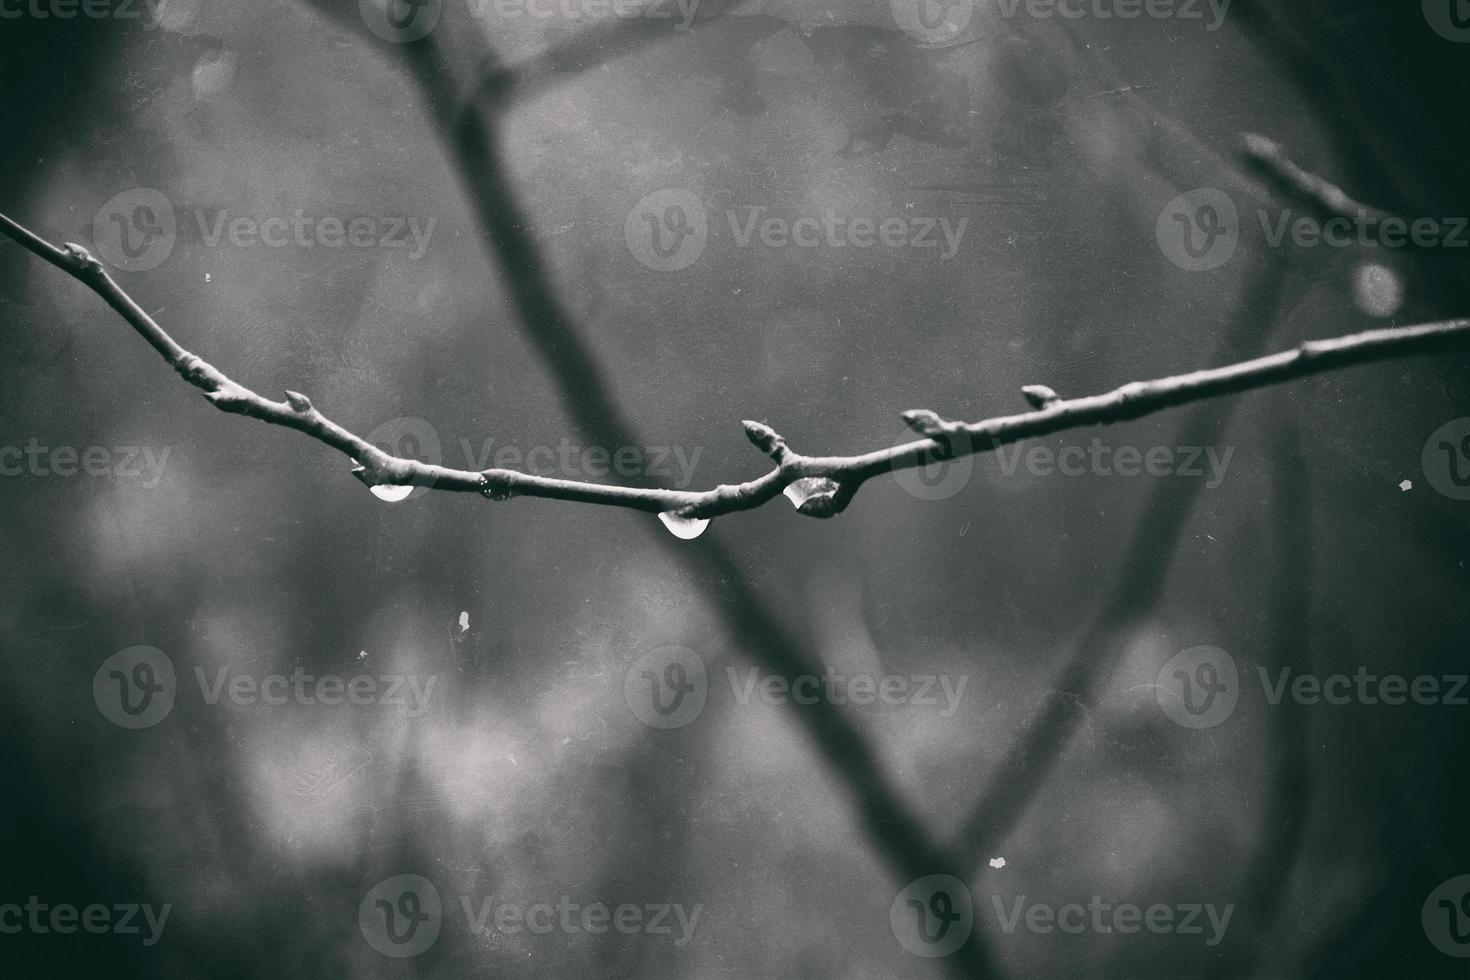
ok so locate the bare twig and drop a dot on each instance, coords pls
(1334, 79)
(943, 439)
(1267, 156)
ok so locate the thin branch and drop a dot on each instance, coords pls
(1270, 159)
(943, 439)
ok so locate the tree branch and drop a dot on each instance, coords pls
(832, 481)
(1267, 157)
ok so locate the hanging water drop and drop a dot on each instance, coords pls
(390, 493)
(687, 528)
(808, 487)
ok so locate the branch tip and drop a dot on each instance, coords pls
(1259, 146)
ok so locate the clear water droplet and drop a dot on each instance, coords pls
(687, 528)
(808, 487)
(392, 494)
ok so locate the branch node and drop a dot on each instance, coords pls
(86, 263)
(193, 369)
(496, 487)
(229, 399)
(299, 402)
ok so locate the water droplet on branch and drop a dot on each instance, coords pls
(392, 494)
(808, 487)
(687, 528)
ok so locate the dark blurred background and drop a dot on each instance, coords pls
(529, 776)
